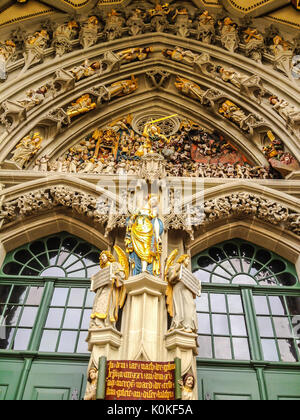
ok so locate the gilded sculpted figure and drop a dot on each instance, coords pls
(7, 50)
(38, 39)
(233, 113)
(205, 27)
(81, 106)
(189, 88)
(132, 54)
(122, 88)
(110, 297)
(152, 134)
(143, 238)
(26, 149)
(180, 299)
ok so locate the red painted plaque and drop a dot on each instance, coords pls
(137, 380)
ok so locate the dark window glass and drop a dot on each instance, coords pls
(53, 243)
(293, 304)
(92, 257)
(69, 243)
(277, 266)
(231, 250)
(4, 292)
(37, 248)
(247, 251)
(27, 271)
(12, 268)
(263, 256)
(18, 294)
(287, 279)
(23, 256)
(217, 254)
(82, 249)
(205, 262)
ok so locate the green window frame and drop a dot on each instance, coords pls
(264, 323)
(45, 301)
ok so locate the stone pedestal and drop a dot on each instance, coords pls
(144, 320)
(104, 342)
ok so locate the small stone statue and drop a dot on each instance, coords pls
(187, 384)
(180, 298)
(26, 149)
(91, 388)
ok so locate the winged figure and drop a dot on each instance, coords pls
(180, 298)
(111, 292)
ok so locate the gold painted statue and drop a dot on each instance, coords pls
(81, 106)
(132, 54)
(143, 238)
(26, 149)
(110, 297)
(153, 133)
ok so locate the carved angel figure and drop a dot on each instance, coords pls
(180, 299)
(111, 293)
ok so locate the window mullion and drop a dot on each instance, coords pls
(41, 316)
(252, 325)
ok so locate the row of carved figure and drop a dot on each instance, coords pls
(200, 26)
(14, 112)
(118, 149)
(100, 209)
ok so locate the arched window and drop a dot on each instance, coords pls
(250, 306)
(45, 301)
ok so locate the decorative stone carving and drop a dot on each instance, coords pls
(205, 28)
(114, 25)
(235, 114)
(63, 36)
(182, 22)
(187, 384)
(133, 54)
(91, 389)
(109, 287)
(199, 62)
(35, 46)
(136, 23)
(194, 91)
(229, 34)
(82, 105)
(180, 293)
(159, 78)
(254, 44)
(152, 167)
(7, 52)
(11, 114)
(88, 35)
(158, 16)
(283, 54)
(289, 113)
(26, 149)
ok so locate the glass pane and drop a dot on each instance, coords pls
(35, 264)
(6, 335)
(82, 249)
(231, 250)
(28, 317)
(86, 319)
(265, 327)
(277, 305)
(217, 254)
(11, 316)
(76, 297)
(277, 266)
(296, 326)
(246, 265)
(53, 272)
(18, 294)
(282, 327)
(238, 326)
(78, 274)
(287, 350)
(202, 303)
(69, 243)
(82, 346)
(12, 268)
(269, 350)
(59, 297)
(203, 324)
(37, 248)
(4, 292)
(49, 340)
(235, 304)
(241, 348)
(261, 305)
(220, 272)
(21, 339)
(243, 279)
(205, 348)
(227, 266)
(206, 262)
(92, 258)
(222, 348)
(263, 256)
(287, 279)
(218, 303)
(217, 279)
(220, 324)
(53, 243)
(293, 304)
(202, 275)
(67, 342)
(23, 256)
(72, 318)
(54, 318)
(247, 250)
(78, 266)
(34, 296)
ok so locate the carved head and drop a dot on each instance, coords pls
(105, 258)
